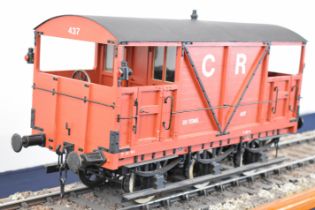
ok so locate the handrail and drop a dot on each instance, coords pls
(171, 113)
(84, 99)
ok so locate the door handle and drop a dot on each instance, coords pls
(171, 98)
(292, 107)
(134, 127)
(274, 108)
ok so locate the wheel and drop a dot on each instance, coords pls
(91, 176)
(147, 176)
(81, 75)
(195, 169)
(251, 156)
(133, 183)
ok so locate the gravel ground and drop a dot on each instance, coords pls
(280, 187)
(263, 191)
(24, 195)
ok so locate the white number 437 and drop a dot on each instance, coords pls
(74, 30)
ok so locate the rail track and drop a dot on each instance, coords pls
(233, 181)
(295, 152)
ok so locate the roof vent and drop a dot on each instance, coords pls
(194, 15)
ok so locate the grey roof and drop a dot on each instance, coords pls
(170, 30)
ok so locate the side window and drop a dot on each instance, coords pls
(164, 65)
(109, 58)
(158, 63)
(284, 59)
(60, 54)
(170, 64)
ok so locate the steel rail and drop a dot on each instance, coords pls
(210, 177)
(198, 180)
(247, 176)
(298, 140)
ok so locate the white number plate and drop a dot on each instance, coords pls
(74, 30)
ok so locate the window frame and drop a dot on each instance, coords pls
(163, 63)
(105, 69)
(42, 51)
(163, 80)
(280, 62)
(175, 64)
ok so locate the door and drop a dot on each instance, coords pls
(149, 102)
(155, 117)
(279, 92)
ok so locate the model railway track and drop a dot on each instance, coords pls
(178, 191)
(245, 177)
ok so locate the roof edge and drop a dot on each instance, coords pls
(234, 37)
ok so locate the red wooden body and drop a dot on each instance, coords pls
(92, 110)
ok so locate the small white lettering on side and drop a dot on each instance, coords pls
(191, 121)
(243, 113)
(246, 132)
